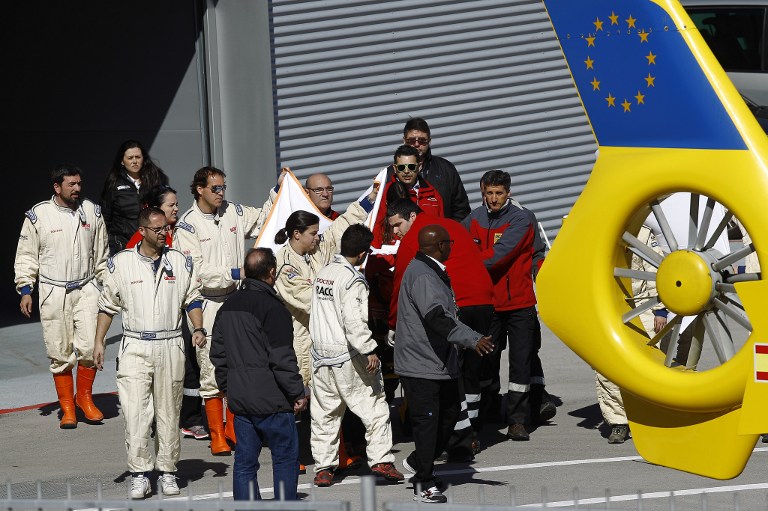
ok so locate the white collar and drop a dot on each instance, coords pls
(441, 265)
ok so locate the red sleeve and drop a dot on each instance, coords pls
(409, 245)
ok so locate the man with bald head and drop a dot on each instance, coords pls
(320, 190)
(425, 358)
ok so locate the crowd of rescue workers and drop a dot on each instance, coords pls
(245, 347)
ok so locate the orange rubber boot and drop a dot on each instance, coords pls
(84, 396)
(214, 410)
(65, 389)
(229, 428)
(345, 460)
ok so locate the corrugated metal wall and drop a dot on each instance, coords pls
(487, 75)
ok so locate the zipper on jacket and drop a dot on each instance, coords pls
(509, 295)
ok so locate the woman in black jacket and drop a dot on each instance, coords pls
(133, 174)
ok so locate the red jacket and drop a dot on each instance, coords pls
(136, 238)
(506, 240)
(470, 281)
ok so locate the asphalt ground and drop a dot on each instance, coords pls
(568, 458)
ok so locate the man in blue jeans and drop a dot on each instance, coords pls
(252, 353)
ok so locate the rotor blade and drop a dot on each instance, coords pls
(661, 333)
(693, 221)
(723, 348)
(627, 273)
(725, 288)
(673, 342)
(743, 277)
(733, 313)
(641, 249)
(733, 257)
(718, 231)
(705, 221)
(632, 314)
(666, 230)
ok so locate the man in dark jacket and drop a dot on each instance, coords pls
(425, 358)
(438, 171)
(252, 353)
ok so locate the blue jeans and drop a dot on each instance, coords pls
(279, 431)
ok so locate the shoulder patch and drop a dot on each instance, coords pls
(188, 264)
(187, 227)
(97, 210)
(31, 215)
(239, 209)
(289, 271)
(110, 265)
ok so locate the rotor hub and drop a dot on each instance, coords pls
(686, 282)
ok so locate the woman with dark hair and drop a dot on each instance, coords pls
(133, 173)
(163, 197)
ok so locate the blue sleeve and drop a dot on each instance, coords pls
(197, 304)
(235, 273)
(662, 313)
(367, 205)
(26, 290)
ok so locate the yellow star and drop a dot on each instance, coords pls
(595, 84)
(590, 41)
(651, 58)
(630, 22)
(626, 105)
(611, 100)
(643, 36)
(649, 80)
(589, 63)
(614, 18)
(598, 24)
(640, 98)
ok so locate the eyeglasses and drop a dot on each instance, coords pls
(450, 242)
(218, 188)
(320, 190)
(159, 230)
(410, 167)
(417, 140)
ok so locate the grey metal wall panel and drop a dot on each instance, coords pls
(487, 75)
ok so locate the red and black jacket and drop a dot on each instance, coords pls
(506, 241)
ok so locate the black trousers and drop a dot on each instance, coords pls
(433, 406)
(191, 402)
(522, 330)
(473, 366)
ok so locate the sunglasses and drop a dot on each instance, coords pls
(159, 230)
(417, 140)
(403, 167)
(218, 188)
(319, 190)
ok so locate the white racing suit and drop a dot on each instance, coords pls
(341, 342)
(295, 274)
(608, 393)
(216, 243)
(150, 369)
(67, 251)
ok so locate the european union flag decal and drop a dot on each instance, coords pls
(639, 81)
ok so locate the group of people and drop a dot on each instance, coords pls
(431, 294)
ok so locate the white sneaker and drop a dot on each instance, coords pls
(140, 487)
(408, 467)
(166, 483)
(431, 496)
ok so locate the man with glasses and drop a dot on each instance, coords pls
(428, 328)
(438, 171)
(320, 190)
(150, 285)
(63, 245)
(213, 233)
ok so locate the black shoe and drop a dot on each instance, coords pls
(431, 496)
(518, 433)
(547, 411)
(619, 433)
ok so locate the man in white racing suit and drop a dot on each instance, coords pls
(150, 285)
(63, 244)
(345, 370)
(213, 233)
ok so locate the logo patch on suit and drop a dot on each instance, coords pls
(239, 209)
(110, 265)
(188, 264)
(496, 237)
(32, 216)
(97, 210)
(187, 227)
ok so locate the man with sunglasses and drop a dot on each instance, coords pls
(320, 190)
(213, 233)
(438, 171)
(150, 285)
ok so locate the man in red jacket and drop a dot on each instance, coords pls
(505, 232)
(474, 297)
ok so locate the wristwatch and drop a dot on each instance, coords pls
(201, 329)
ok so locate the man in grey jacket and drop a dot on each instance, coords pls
(425, 358)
